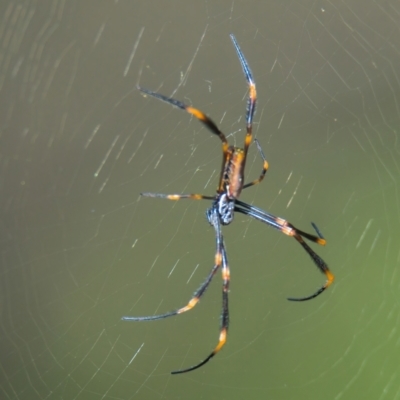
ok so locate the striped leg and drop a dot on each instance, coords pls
(192, 196)
(290, 230)
(192, 302)
(251, 104)
(264, 170)
(220, 259)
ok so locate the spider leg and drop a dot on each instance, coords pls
(288, 229)
(208, 122)
(317, 230)
(320, 263)
(316, 239)
(192, 302)
(221, 259)
(277, 222)
(264, 170)
(251, 104)
(192, 196)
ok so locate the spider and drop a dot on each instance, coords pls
(225, 203)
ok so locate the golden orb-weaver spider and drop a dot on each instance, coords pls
(224, 205)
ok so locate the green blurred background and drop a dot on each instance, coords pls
(80, 248)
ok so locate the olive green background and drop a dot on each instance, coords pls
(80, 248)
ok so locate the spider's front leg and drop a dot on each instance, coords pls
(192, 196)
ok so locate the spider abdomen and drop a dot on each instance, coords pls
(234, 172)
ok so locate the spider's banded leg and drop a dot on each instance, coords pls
(224, 318)
(264, 170)
(251, 104)
(201, 290)
(289, 230)
(208, 122)
(322, 266)
(192, 302)
(312, 238)
(277, 222)
(220, 257)
(318, 261)
(192, 196)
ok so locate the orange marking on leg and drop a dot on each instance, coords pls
(197, 113)
(330, 277)
(173, 197)
(322, 242)
(190, 305)
(226, 274)
(288, 231)
(222, 340)
(247, 140)
(253, 91)
(285, 228)
(218, 258)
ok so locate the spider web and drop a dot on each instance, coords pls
(80, 248)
